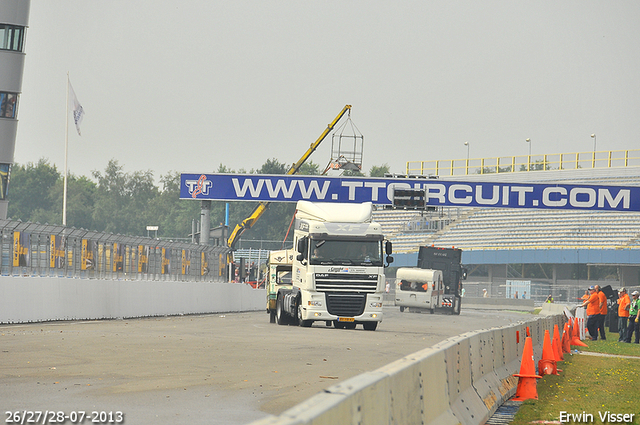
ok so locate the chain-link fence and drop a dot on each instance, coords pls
(33, 249)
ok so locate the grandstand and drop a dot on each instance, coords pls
(499, 240)
(501, 228)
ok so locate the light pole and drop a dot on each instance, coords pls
(529, 158)
(466, 171)
(593, 161)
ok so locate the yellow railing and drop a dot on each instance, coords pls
(511, 164)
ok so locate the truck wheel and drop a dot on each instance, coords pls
(280, 316)
(272, 316)
(370, 326)
(433, 310)
(303, 323)
(401, 309)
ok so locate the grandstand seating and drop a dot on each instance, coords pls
(498, 228)
(502, 228)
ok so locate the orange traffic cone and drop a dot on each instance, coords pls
(527, 387)
(557, 347)
(566, 348)
(548, 364)
(575, 340)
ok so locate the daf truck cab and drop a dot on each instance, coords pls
(338, 270)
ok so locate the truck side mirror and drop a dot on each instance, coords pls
(464, 274)
(302, 248)
(389, 260)
(388, 248)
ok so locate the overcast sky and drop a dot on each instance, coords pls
(188, 85)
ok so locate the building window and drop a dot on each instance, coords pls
(4, 180)
(8, 105)
(11, 37)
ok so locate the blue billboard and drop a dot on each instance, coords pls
(292, 188)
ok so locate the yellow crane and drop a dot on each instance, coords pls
(248, 222)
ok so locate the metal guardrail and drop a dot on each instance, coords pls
(512, 164)
(34, 249)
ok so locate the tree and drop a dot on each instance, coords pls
(379, 171)
(172, 214)
(80, 203)
(273, 166)
(29, 191)
(224, 169)
(122, 199)
(309, 168)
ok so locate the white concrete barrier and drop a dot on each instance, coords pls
(24, 299)
(461, 380)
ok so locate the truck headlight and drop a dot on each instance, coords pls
(315, 303)
(376, 305)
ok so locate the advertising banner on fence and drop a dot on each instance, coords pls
(88, 255)
(56, 251)
(186, 261)
(204, 264)
(285, 188)
(118, 257)
(166, 261)
(143, 259)
(21, 249)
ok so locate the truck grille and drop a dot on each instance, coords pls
(346, 305)
(342, 282)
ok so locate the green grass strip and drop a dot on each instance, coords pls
(590, 388)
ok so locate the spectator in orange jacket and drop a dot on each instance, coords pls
(585, 296)
(623, 312)
(593, 313)
(603, 312)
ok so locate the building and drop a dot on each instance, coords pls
(14, 17)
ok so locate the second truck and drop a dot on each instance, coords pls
(335, 273)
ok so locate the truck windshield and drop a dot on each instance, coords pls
(345, 252)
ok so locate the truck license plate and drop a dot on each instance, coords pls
(346, 319)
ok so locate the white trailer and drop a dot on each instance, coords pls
(420, 289)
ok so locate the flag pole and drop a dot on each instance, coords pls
(66, 148)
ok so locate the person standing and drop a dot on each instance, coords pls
(603, 311)
(585, 296)
(623, 312)
(634, 317)
(593, 312)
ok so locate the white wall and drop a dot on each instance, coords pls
(26, 299)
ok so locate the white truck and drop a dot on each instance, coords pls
(337, 269)
(420, 290)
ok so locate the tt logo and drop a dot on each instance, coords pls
(200, 186)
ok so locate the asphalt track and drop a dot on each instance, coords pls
(209, 369)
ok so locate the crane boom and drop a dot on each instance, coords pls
(248, 222)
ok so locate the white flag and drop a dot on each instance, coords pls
(76, 108)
